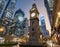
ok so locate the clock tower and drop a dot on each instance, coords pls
(34, 33)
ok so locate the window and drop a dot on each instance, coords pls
(9, 15)
(32, 22)
(32, 29)
(42, 20)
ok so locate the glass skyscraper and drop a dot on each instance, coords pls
(43, 26)
(49, 7)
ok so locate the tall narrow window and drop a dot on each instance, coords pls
(32, 29)
(32, 22)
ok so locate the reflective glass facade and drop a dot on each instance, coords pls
(2, 3)
(50, 3)
(43, 26)
(49, 7)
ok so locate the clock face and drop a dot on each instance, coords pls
(33, 14)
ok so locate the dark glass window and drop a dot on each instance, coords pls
(32, 29)
(32, 22)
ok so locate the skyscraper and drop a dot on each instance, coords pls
(7, 15)
(3, 6)
(9, 11)
(19, 18)
(43, 26)
(49, 7)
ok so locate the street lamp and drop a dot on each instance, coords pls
(2, 29)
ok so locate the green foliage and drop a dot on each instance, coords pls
(8, 44)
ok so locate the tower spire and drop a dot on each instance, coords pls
(34, 5)
(34, 0)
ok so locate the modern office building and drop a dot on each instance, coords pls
(43, 26)
(19, 18)
(3, 6)
(49, 7)
(9, 11)
(21, 23)
(26, 27)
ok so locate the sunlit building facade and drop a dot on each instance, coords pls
(56, 22)
(49, 7)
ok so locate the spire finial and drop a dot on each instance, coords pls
(34, 5)
(34, 0)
